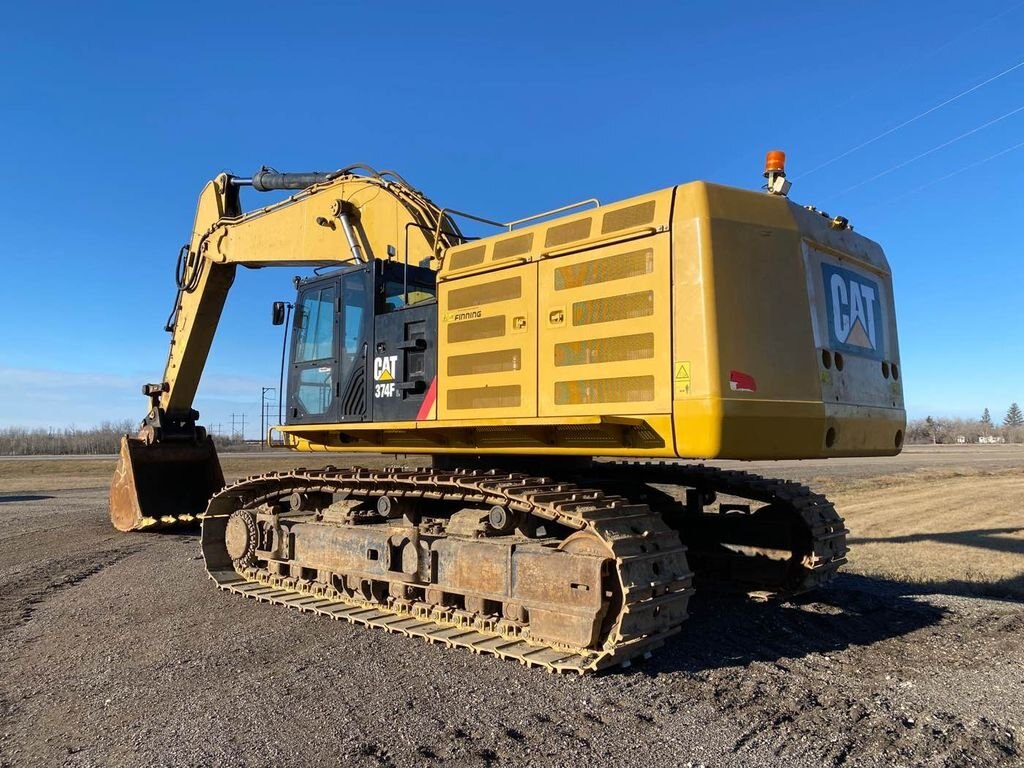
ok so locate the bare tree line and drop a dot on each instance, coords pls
(65, 441)
(940, 430)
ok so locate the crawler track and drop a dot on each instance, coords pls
(792, 519)
(793, 542)
(653, 580)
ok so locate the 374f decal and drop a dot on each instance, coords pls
(384, 372)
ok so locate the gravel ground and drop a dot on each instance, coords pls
(115, 649)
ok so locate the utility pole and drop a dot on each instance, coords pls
(238, 426)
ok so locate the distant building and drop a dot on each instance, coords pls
(991, 439)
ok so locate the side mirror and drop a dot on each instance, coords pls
(278, 313)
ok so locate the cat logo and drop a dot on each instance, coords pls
(854, 312)
(384, 370)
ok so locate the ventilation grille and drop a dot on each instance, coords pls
(567, 233)
(624, 307)
(486, 293)
(484, 362)
(624, 389)
(625, 218)
(513, 246)
(639, 346)
(472, 330)
(484, 397)
(467, 258)
(605, 269)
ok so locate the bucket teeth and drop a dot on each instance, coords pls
(162, 484)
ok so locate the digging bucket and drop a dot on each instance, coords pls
(162, 484)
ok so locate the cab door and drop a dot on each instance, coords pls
(355, 319)
(312, 380)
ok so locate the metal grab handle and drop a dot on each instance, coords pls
(589, 201)
(509, 225)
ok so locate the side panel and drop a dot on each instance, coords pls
(604, 330)
(487, 347)
(403, 362)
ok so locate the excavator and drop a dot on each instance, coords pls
(567, 376)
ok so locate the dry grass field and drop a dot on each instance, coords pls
(958, 531)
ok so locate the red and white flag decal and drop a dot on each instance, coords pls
(741, 382)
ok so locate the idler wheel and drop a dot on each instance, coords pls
(241, 537)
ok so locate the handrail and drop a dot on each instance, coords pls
(590, 200)
(508, 225)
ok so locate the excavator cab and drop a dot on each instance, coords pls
(358, 343)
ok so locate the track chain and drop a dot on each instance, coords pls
(818, 515)
(650, 562)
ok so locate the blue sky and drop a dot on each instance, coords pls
(112, 116)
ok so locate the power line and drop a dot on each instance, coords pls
(914, 119)
(950, 175)
(961, 35)
(934, 149)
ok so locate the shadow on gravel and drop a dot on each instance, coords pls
(1009, 590)
(726, 630)
(30, 497)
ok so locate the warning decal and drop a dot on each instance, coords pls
(681, 377)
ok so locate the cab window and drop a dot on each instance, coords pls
(395, 292)
(314, 325)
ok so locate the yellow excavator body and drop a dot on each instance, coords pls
(696, 322)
